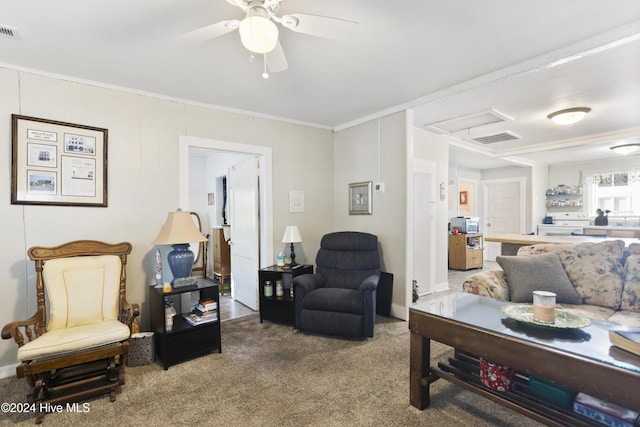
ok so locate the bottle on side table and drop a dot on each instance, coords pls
(276, 308)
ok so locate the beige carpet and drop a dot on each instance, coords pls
(267, 375)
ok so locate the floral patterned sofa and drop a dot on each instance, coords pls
(605, 276)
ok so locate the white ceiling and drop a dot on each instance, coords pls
(443, 59)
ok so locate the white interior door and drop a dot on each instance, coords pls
(244, 218)
(503, 211)
(424, 226)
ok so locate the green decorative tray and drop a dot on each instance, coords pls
(564, 319)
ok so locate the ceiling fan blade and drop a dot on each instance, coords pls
(210, 31)
(276, 60)
(321, 26)
(242, 4)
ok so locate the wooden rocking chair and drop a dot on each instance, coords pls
(81, 352)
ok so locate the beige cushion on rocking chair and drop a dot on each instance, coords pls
(84, 305)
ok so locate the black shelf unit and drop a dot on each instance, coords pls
(464, 369)
(183, 341)
(279, 309)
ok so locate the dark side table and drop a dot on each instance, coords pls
(274, 308)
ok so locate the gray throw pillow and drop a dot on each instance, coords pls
(543, 272)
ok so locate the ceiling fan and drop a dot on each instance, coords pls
(259, 32)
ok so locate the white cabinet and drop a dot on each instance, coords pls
(559, 230)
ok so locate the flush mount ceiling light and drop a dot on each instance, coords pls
(569, 116)
(626, 148)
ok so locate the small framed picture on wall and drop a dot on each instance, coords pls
(296, 201)
(463, 198)
(360, 202)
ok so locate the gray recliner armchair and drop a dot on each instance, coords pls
(340, 298)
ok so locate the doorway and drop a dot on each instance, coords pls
(504, 210)
(467, 199)
(265, 205)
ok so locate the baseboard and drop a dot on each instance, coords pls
(399, 311)
(8, 371)
(444, 286)
(440, 287)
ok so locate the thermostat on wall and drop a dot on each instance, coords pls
(378, 187)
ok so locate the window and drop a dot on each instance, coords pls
(615, 191)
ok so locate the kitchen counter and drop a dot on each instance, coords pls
(612, 227)
(529, 239)
(612, 230)
(512, 242)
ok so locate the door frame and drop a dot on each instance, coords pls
(265, 164)
(426, 167)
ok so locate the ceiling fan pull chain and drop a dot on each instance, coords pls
(265, 74)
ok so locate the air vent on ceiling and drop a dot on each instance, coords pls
(469, 121)
(497, 137)
(9, 32)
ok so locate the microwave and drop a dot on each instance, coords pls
(466, 225)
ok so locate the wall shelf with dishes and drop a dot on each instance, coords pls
(564, 197)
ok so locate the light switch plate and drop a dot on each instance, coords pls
(378, 187)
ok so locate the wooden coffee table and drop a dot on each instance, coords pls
(578, 359)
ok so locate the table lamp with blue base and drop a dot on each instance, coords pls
(179, 230)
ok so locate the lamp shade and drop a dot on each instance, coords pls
(179, 228)
(258, 33)
(291, 235)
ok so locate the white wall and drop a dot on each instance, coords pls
(569, 173)
(143, 179)
(376, 151)
(539, 185)
(429, 146)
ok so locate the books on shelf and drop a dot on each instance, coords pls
(626, 340)
(209, 304)
(204, 311)
(604, 412)
(195, 319)
(206, 306)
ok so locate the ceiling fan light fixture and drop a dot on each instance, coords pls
(258, 33)
(625, 149)
(569, 116)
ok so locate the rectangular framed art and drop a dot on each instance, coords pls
(296, 201)
(463, 198)
(360, 198)
(57, 163)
